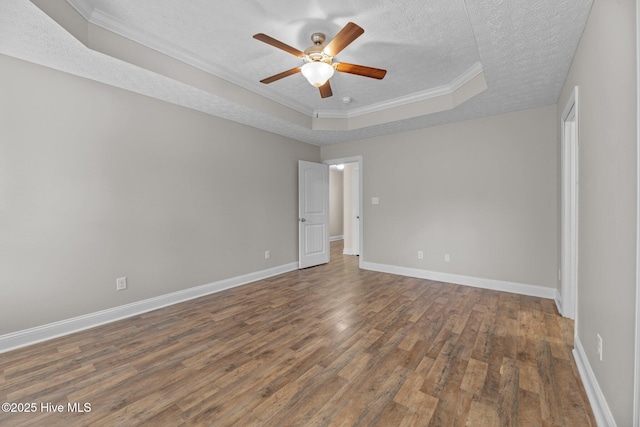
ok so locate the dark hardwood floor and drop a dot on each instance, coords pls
(330, 345)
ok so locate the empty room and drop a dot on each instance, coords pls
(319, 213)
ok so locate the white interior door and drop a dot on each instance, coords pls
(313, 214)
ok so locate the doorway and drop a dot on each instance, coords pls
(350, 209)
(569, 209)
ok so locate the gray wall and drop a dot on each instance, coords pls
(483, 191)
(604, 68)
(336, 202)
(98, 183)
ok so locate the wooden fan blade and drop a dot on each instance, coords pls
(325, 90)
(276, 43)
(281, 75)
(348, 34)
(361, 70)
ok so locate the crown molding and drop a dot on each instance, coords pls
(470, 84)
(465, 86)
(83, 7)
(137, 35)
(471, 73)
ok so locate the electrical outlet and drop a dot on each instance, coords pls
(121, 284)
(267, 254)
(447, 258)
(420, 255)
(599, 346)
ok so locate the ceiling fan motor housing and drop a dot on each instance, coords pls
(316, 52)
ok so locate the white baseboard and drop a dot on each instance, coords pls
(334, 238)
(349, 251)
(30, 336)
(476, 282)
(601, 411)
(558, 301)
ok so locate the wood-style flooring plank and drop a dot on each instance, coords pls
(326, 346)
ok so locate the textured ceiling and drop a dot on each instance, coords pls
(523, 48)
(418, 47)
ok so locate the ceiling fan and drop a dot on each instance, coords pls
(319, 66)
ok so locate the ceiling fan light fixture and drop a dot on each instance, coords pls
(319, 66)
(317, 73)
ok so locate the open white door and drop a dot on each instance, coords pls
(313, 214)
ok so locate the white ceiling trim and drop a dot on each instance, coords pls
(137, 35)
(84, 8)
(525, 51)
(474, 71)
(444, 101)
(104, 20)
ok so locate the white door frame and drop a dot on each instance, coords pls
(636, 383)
(355, 188)
(569, 209)
(358, 160)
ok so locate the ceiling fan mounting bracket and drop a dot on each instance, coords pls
(318, 38)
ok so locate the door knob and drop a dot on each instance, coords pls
(303, 220)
